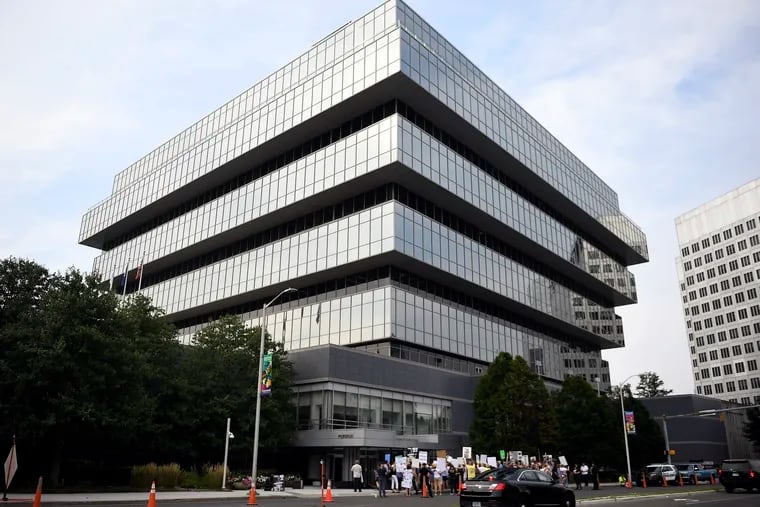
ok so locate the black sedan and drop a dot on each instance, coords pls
(516, 487)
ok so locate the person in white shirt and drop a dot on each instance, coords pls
(358, 476)
(584, 474)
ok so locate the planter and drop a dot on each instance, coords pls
(240, 485)
(294, 484)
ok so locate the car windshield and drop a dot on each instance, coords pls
(496, 475)
(653, 468)
(684, 467)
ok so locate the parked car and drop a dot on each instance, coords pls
(515, 487)
(695, 472)
(659, 473)
(740, 473)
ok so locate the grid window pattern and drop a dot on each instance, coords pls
(346, 63)
(445, 73)
(732, 292)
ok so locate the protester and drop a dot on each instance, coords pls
(358, 476)
(407, 481)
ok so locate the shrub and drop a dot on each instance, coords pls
(190, 480)
(212, 476)
(166, 476)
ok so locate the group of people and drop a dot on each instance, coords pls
(387, 476)
(411, 480)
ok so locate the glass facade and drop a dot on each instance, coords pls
(398, 235)
(333, 405)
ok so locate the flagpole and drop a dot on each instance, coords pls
(126, 279)
(139, 282)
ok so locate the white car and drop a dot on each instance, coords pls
(658, 474)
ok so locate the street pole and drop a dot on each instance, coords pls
(262, 328)
(665, 430)
(625, 435)
(226, 453)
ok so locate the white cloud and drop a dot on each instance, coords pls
(659, 98)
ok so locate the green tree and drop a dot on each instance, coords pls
(650, 385)
(752, 427)
(512, 409)
(589, 428)
(22, 286)
(75, 372)
(223, 365)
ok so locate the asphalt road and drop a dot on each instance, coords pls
(651, 497)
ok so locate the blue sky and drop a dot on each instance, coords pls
(661, 99)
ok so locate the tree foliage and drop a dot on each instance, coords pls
(589, 428)
(650, 385)
(512, 409)
(752, 427)
(86, 377)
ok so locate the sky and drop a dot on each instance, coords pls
(660, 99)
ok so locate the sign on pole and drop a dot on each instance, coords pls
(266, 376)
(11, 465)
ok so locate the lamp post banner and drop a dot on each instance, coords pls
(630, 423)
(266, 376)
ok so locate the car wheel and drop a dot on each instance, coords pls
(569, 501)
(729, 489)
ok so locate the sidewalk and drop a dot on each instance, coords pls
(111, 498)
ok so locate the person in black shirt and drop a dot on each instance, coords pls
(424, 473)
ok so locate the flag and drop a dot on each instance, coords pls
(630, 423)
(124, 281)
(266, 376)
(11, 465)
(139, 274)
(319, 313)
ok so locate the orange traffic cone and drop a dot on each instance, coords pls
(252, 496)
(664, 482)
(644, 480)
(38, 494)
(328, 494)
(459, 489)
(424, 489)
(712, 479)
(680, 480)
(152, 496)
(628, 484)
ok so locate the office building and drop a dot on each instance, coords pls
(718, 271)
(701, 429)
(426, 219)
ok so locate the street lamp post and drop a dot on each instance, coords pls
(262, 328)
(625, 430)
(667, 440)
(227, 438)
